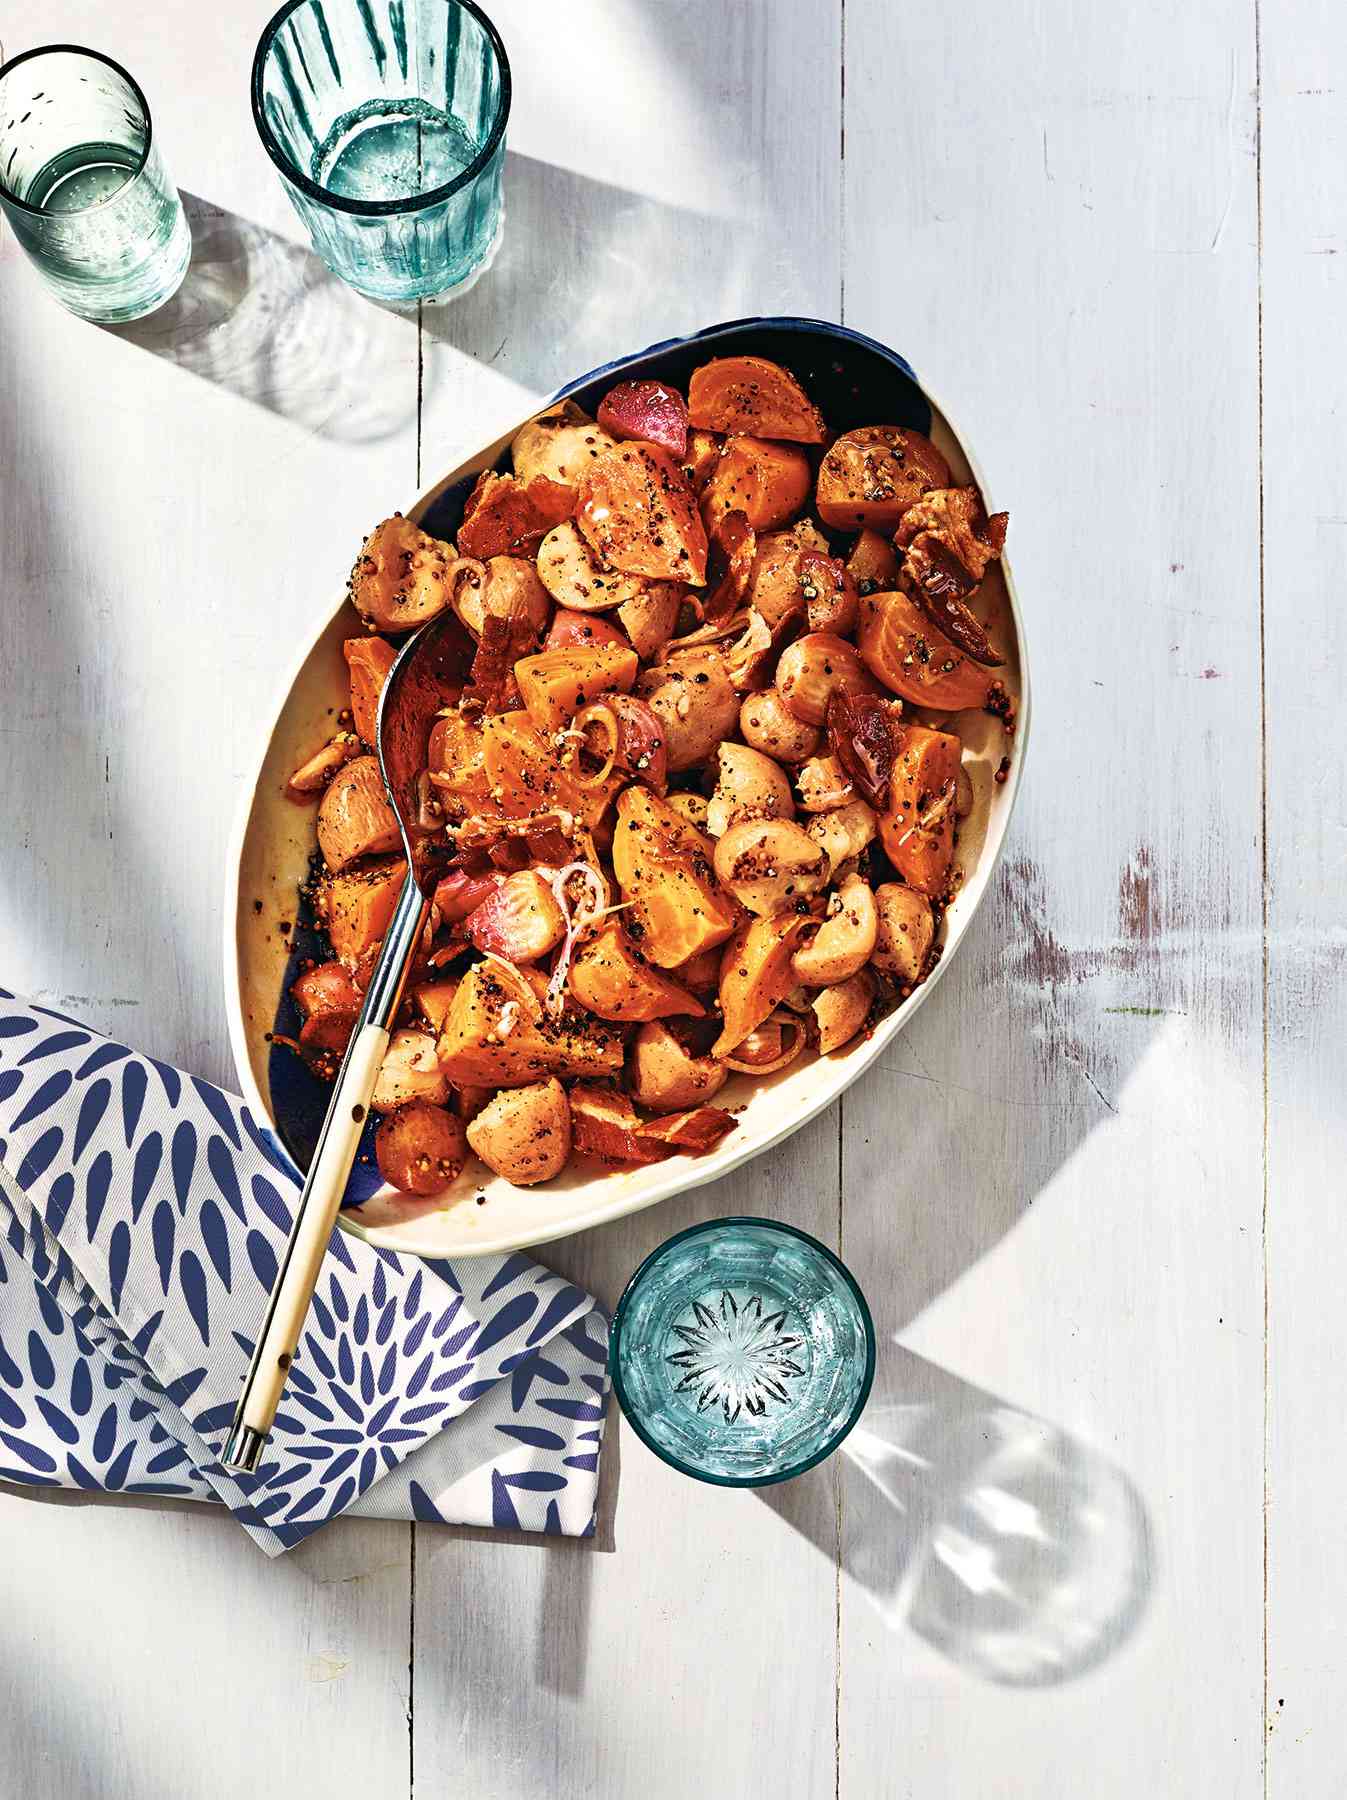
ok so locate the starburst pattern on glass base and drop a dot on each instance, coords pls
(738, 1356)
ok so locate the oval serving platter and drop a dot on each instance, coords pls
(855, 381)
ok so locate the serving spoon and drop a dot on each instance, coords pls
(429, 673)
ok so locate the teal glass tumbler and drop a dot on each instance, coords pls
(83, 185)
(742, 1352)
(386, 120)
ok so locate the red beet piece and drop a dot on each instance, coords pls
(647, 410)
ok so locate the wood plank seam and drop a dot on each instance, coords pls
(1263, 851)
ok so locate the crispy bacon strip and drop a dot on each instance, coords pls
(861, 731)
(947, 542)
(733, 546)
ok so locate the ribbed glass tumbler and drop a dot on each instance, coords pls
(386, 119)
(83, 186)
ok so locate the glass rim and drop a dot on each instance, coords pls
(629, 1412)
(40, 212)
(379, 209)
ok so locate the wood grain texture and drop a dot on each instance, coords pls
(1304, 145)
(1054, 1190)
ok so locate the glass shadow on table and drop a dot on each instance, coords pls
(1012, 1548)
(264, 319)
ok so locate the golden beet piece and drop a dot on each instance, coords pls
(755, 975)
(494, 1037)
(432, 1001)
(399, 577)
(751, 394)
(527, 773)
(369, 659)
(638, 512)
(610, 977)
(664, 865)
(767, 482)
(871, 476)
(355, 818)
(556, 684)
(703, 453)
(917, 826)
(914, 659)
(356, 905)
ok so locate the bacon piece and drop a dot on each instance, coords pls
(947, 542)
(700, 1129)
(607, 1125)
(861, 730)
(505, 517)
(733, 548)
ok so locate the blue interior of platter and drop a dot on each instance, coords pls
(852, 379)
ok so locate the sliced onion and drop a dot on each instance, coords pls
(514, 977)
(705, 634)
(768, 1060)
(429, 812)
(598, 714)
(589, 909)
(935, 813)
(476, 572)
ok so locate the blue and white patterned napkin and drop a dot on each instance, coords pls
(142, 1212)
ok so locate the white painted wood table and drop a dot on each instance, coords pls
(1100, 1179)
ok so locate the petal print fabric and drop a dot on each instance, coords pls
(142, 1215)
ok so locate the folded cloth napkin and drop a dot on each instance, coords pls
(142, 1213)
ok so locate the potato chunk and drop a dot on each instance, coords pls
(355, 818)
(399, 578)
(558, 445)
(524, 1133)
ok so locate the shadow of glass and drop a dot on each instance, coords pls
(578, 260)
(264, 319)
(1011, 1547)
